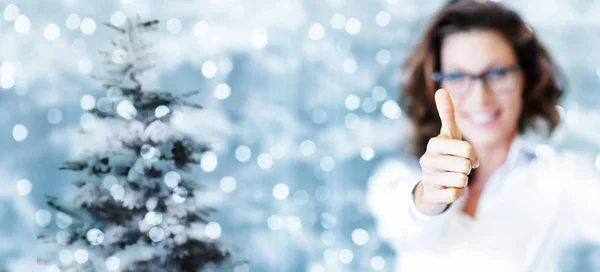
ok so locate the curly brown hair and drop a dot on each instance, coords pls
(541, 90)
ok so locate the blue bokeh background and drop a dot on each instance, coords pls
(310, 89)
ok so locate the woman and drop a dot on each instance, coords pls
(482, 197)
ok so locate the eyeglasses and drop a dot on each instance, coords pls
(498, 80)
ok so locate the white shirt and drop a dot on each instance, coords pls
(536, 205)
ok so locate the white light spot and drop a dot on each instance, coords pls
(87, 121)
(118, 18)
(7, 81)
(95, 236)
(307, 147)
(228, 184)
(350, 66)
(114, 93)
(179, 194)
(151, 203)
(85, 66)
(201, 29)
(327, 163)
(87, 102)
(161, 111)
(259, 37)
(319, 116)
(63, 220)
(346, 256)
(172, 179)
(360, 237)
(52, 32)
(353, 26)
(377, 263)
(88, 26)
(126, 109)
(293, 223)
(274, 222)
(352, 102)
(73, 21)
(367, 153)
(11, 12)
(209, 69)
(222, 91)
(22, 24)
(24, 187)
(391, 110)
(379, 93)
(147, 151)
(278, 151)
(597, 162)
(338, 21)
(174, 25)
(301, 197)
(209, 161)
(213, 230)
(265, 161)
(383, 56)
(383, 18)
(351, 121)
(281, 191)
(243, 153)
(156, 234)
(19, 132)
(8, 68)
(113, 263)
(65, 256)
(153, 218)
(316, 32)
(369, 105)
(81, 256)
(117, 191)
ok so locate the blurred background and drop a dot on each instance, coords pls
(300, 107)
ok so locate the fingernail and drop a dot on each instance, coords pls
(476, 164)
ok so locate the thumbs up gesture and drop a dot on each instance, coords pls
(446, 163)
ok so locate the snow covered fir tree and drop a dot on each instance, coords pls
(136, 207)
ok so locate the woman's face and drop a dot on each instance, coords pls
(487, 114)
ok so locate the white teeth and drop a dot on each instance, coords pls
(482, 118)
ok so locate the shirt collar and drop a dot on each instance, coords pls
(522, 150)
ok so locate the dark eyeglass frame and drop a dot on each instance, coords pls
(438, 77)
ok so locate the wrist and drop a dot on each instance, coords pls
(426, 208)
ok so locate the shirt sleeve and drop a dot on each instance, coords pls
(583, 191)
(390, 200)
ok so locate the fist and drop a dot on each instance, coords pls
(446, 163)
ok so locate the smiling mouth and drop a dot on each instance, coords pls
(484, 119)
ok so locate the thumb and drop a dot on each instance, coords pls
(445, 108)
